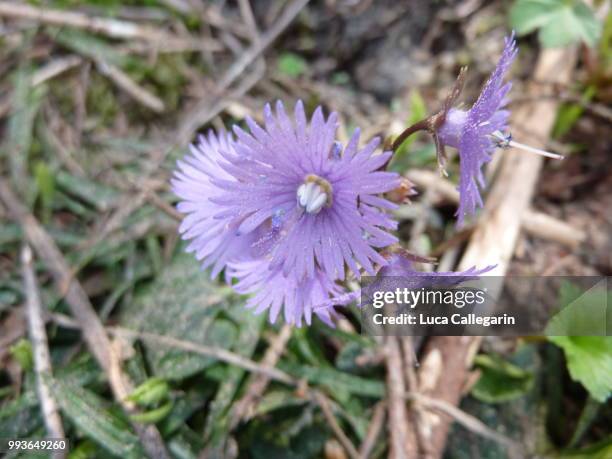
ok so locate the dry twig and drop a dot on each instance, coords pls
(533, 222)
(111, 27)
(42, 358)
(378, 418)
(54, 68)
(466, 420)
(217, 353)
(138, 93)
(403, 441)
(333, 423)
(258, 384)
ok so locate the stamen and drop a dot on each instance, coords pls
(277, 219)
(505, 141)
(314, 194)
(336, 150)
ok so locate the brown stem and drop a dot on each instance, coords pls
(423, 125)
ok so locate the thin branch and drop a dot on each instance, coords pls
(378, 418)
(403, 439)
(533, 222)
(209, 111)
(466, 420)
(42, 358)
(258, 384)
(217, 353)
(138, 93)
(111, 27)
(220, 354)
(54, 68)
(323, 402)
(249, 18)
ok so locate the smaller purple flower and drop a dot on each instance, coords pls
(475, 133)
(478, 131)
(401, 266)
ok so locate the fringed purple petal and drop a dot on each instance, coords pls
(471, 132)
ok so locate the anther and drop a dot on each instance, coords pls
(314, 194)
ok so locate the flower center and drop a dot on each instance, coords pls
(314, 194)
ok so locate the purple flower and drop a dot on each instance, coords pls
(321, 203)
(285, 209)
(213, 240)
(400, 266)
(476, 132)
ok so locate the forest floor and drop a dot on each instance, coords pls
(99, 99)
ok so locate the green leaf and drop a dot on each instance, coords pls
(182, 448)
(589, 414)
(560, 23)
(306, 346)
(182, 303)
(100, 196)
(153, 416)
(150, 392)
(589, 27)
(569, 114)
(500, 381)
(337, 381)
(570, 25)
(45, 183)
(25, 102)
(589, 361)
(599, 450)
(81, 371)
(605, 44)
(21, 351)
(88, 413)
(277, 399)
(155, 253)
(583, 313)
(418, 109)
(89, 45)
(21, 416)
(249, 327)
(183, 408)
(291, 64)
(9, 233)
(528, 15)
(83, 450)
(345, 360)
